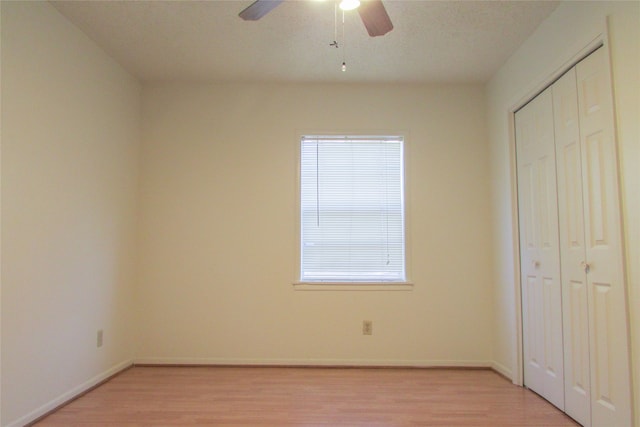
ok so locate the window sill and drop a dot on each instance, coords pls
(366, 286)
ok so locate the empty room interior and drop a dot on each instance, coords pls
(166, 198)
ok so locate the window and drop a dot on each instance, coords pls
(352, 209)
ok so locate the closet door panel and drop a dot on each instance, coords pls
(572, 249)
(531, 305)
(598, 160)
(604, 380)
(578, 347)
(610, 368)
(542, 311)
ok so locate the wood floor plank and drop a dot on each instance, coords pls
(266, 396)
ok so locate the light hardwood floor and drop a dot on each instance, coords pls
(266, 396)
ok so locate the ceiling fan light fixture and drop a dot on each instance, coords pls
(349, 4)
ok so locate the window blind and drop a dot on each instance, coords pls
(352, 209)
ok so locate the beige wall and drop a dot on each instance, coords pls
(218, 228)
(70, 134)
(567, 31)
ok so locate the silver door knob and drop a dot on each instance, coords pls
(585, 266)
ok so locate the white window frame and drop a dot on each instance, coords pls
(405, 285)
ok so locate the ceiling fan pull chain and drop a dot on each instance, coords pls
(344, 46)
(335, 26)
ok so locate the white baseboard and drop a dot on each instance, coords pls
(315, 362)
(502, 370)
(69, 395)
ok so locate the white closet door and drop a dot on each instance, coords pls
(572, 250)
(610, 369)
(540, 265)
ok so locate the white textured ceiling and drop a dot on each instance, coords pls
(202, 41)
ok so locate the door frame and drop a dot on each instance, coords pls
(598, 40)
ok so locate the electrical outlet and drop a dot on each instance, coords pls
(99, 337)
(367, 327)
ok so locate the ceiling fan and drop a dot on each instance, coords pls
(373, 13)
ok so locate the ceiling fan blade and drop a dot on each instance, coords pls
(375, 18)
(258, 9)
